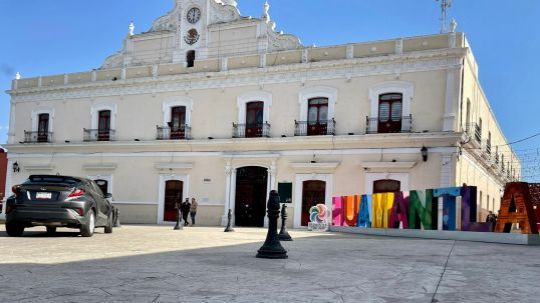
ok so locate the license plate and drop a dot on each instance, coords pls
(43, 196)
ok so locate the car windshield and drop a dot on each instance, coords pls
(52, 179)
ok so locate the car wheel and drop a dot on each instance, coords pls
(51, 230)
(109, 226)
(14, 229)
(87, 229)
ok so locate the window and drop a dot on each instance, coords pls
(190, 58)
(468, 116)
(253, 115)
(317, 117)
(254, 119)
(43, 128)
(390, 113)
(178, 122)
(488, 143)
(386, 186)
(104, 125)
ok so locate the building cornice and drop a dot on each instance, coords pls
(301, 72)
(240, 147)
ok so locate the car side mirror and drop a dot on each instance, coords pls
(107, 196)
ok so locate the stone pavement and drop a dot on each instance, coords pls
(197, 264)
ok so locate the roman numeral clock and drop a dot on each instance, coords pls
(193, 16)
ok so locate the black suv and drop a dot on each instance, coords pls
(58, 201)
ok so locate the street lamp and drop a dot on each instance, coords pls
(424, 152)
(16, 168)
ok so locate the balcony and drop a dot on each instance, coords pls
(183, 132)
(376, 126)
(255, 130)
(95, 135)
(38, 137)
(315, 128)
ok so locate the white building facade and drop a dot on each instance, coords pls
(220, 107)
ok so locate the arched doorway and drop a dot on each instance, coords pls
(386, 186)
(250, 200)
(173, 193)
(313, 193)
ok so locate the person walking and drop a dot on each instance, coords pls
(186, 206)
(491, 218)
(193, 210)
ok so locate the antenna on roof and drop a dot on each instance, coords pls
(445, 5)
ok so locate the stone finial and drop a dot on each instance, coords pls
(131, 28)
(266, 14)
(18, 76)
(453, 25)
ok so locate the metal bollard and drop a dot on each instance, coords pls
(179, 221)
(229, 228)
(284, 234)
(116, 217)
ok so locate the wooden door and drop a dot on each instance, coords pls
(251, 192)
(173, 195)
(178, 122)
(386, 186)
(313, 193)
(254, 119)
(390, 113)
(317, 124)
(43, 128)
(104, 125)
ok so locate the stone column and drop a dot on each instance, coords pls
(228, 181)
(453, 85)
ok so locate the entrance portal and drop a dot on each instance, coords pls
(250, 201)
(173, 193)
(313, 193)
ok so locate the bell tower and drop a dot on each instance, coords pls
(191, 32)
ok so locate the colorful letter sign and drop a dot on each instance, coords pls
(420, 209)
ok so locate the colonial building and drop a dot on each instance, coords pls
(213, 105)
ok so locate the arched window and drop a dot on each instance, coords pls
(317, 117)
(468, 117)
(177, 124)
(386, 186)
(190, 58)
(488, 144)
(390, 113)
(254, 119)
(104, 125)
(43, 128)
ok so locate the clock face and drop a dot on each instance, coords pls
(193, 15)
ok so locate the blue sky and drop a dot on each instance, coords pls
(63, 36)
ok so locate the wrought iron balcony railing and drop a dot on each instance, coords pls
(255, 130)
(315, 128)
(38, 137)
(474, 131)
(183, 132)
(377, 126)
(93, 135)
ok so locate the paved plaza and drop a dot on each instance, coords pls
(198, 264)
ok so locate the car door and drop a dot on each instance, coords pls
(102, 206)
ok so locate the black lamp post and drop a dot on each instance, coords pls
(16, 167)
(424, 152)
(272, 248)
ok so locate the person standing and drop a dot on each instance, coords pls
(193, 210)
(186, 206)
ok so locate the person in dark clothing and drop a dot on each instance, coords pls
(185, 207)
(491, 217)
